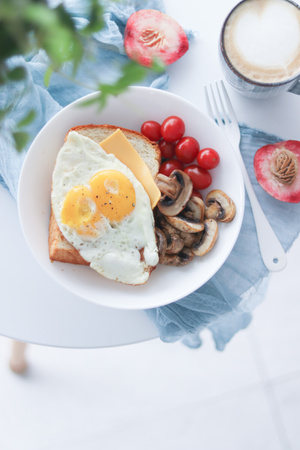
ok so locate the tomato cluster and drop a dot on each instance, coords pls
(181, 152)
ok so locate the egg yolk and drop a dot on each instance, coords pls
(114, 194)
(80, 211)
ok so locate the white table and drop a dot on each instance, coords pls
(35, 309)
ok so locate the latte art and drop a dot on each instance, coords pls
(262, 40)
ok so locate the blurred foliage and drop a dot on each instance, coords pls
(29, 25)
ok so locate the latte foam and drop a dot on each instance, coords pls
(262, 40)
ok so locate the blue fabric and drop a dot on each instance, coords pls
(225, 303)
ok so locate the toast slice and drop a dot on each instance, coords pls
(59, 248)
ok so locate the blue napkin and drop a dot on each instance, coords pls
(225, 303)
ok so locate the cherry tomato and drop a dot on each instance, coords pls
(187, 149)
(172, 129)
(208, 158)
(196, 193)
(167, 149)
(201, 178)
(168, 166)
(151, 130)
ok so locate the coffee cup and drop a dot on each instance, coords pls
(260, 48)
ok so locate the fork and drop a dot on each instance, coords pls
(271, 249)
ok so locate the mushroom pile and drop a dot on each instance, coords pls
(185, 226)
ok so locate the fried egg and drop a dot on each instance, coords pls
(103, 211)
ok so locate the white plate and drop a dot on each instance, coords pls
(166, 284)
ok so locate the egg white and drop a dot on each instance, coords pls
(123, 251)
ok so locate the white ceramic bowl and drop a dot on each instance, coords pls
(166, 284)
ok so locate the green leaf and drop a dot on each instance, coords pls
(40, 15)
(4, 112)
(158, 65)
(96, 22)
(30, 116)
(30, 25)
(16, 74)
(131, 73)
(55, 32)
(21, 138)
(47, 76)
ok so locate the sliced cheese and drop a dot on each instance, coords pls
(118, 144)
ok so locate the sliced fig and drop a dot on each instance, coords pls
(151, 34)
(277, 169)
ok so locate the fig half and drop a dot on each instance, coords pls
(276, 168)
(151, 34)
